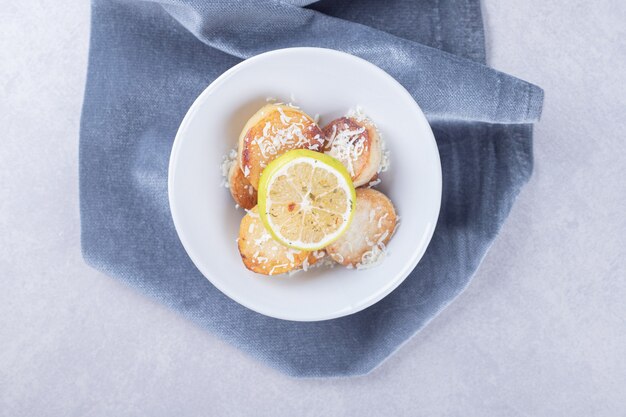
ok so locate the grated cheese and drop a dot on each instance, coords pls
(327, 262)
(346, 145)
(393, 232)
(372, 257)
(277, 266)
(264, 238)
(227, 162)
(382, 237)
(276, 138)
(380, 221)
(283, 117)
(252, 214)
(375, 182)
(385, 161)
(358, 114)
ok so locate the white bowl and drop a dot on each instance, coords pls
(324, 82)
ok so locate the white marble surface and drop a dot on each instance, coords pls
(541, 331)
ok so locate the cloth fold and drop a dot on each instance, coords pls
(145, 70)
(445, 86)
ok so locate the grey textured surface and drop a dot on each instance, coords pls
(540, 331)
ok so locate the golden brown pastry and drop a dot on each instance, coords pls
(262, 254)
(272, 131)
(374, 221)
(242, 191)
(356, 143)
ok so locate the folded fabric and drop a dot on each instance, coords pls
(147, 64)
(446, 86)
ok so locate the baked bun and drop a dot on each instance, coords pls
(272, 131)
(260, 253)
(242, 191)
(356, 143)
(374, 221)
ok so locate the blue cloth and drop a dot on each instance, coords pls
(149, 61)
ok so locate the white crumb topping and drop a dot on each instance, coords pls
(227, 162)
(380, 220)
(283, 117)
(373, 257)
(385, 161)
(346, 145)
(265, 237)
(358, 114)
(289, 134)
(316, 119)
(252, 214)
(374, 183)
(382, 237)
(393, 232)
(325, 262)
(378, 250)
(276, 266)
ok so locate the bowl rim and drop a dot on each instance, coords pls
(367, 301)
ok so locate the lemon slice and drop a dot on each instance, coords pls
(306, 199)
